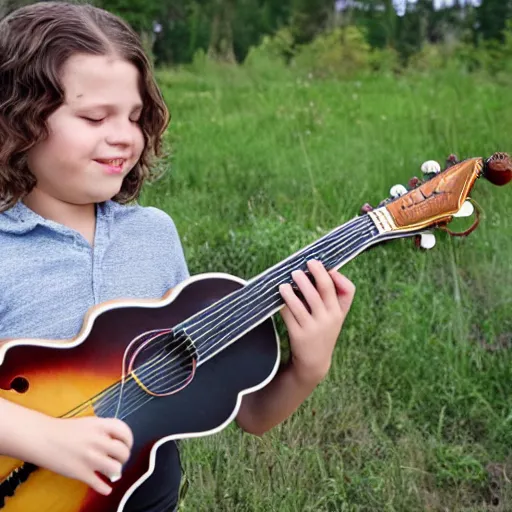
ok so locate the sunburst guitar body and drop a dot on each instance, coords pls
(82, 377)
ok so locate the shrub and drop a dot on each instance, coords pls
(342, 52)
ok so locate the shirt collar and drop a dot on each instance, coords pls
(20, 219)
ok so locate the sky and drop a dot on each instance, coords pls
(400, 4)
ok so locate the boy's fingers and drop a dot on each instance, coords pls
(99, 485)
(345, 290)
(119, 430)
(324, 283)
(289, 319)
(309, 291)
(118, 450)
(295, 305)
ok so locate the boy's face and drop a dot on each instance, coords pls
(94, 137)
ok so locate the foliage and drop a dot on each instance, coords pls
(492, 16)
(272, 55)
(429, 57)
(422, 36)
(140, 14)
(384, 60)
(276, 48)
(343, 52)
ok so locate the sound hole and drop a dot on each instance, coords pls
(19, 384)
(165, 364)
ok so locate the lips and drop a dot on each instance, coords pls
(112, 165)
(114, 162)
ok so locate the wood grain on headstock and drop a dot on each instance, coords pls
(438, 199)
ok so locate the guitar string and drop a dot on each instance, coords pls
(242, 308)
(136, 402)
(250, 292)
(335, 234)
(150, 364)
(157, 357)
(108, 395)
(237, 299)
(158, 361)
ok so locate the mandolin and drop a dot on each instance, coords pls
(178, 366)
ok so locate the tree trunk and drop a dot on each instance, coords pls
(221, 46)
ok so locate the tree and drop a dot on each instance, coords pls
(491, 18)
(309, 18)
(377, 18)
(221, 47)
(185, 28)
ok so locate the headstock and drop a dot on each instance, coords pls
(441, 196)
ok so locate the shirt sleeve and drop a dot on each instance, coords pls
(178, 269)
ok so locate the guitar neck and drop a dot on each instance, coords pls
(222, 323)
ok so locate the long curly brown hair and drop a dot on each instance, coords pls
(35, 42)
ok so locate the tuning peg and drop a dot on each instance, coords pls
(425, 240)
(366, 208)
(414, 182)
(430, 167)
(397, 191)
(466, 210)
(451, 160)
(498, 169)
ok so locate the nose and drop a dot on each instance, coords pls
(122, 133)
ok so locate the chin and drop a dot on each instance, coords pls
(101, 197)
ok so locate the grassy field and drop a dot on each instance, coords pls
(416, 414)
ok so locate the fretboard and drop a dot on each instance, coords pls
(219, 325)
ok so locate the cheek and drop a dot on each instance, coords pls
(65, 144)
(65, 149)
(75, 140)
(139, 143)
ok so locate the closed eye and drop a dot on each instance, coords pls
(92, 120)
(98, 121)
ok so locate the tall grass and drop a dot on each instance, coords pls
(416, 413)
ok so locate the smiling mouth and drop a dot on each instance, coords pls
(114, 166)
(118, 162)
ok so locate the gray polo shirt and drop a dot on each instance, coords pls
(50, 276)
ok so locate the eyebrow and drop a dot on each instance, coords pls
(106, 106)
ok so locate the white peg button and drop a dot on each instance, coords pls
(466, 210)
(428, 240)
(430, 166)
(397, 191)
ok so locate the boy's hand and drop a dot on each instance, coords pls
(80, 447)
(313, 334)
